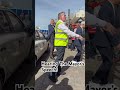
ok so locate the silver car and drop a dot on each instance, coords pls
(16, 44)
(41, 44)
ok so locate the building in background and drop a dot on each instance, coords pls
(78, 17)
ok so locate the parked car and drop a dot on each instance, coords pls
(16, 44)
(41, 44)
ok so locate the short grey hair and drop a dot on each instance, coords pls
(59, 14)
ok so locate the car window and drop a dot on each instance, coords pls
(37, 37)
(4, 26)
(17, 24)
(41, 36)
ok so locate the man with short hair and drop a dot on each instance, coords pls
(51, 36)
(78, 43)
(105, 41)
(61, 41)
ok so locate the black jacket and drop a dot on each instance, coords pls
(51, 34)
(78, 42)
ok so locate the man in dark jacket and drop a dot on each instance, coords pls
(78, 43)
(105, 41)
(51, 37)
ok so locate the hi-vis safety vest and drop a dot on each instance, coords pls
(61, 38)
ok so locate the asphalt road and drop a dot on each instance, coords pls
(73, 78)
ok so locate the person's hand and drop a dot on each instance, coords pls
(110, 28)
(81, 38)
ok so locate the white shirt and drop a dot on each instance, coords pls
(75, 30)
(67, 30)
(92, 20)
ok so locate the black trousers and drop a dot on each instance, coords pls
(104, 69)
(60, 53)
(51, 47)
(78, 55)
(60, 56)
(72, 45)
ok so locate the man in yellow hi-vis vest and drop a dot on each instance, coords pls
(62, 33)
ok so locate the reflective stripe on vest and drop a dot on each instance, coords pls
(61, 38)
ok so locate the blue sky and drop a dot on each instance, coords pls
(49, 9)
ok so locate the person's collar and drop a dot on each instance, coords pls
(51, 24)
(61, 20)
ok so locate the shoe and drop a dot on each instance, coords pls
(104, 82)
(52, 57)
(59, 71)
(53, 79)
(58, 74)
(96, 80)
(98, 85)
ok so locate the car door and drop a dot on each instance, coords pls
(38, 45)
(44, 42)
(7, 45)
(24, 39)
(15, 43)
